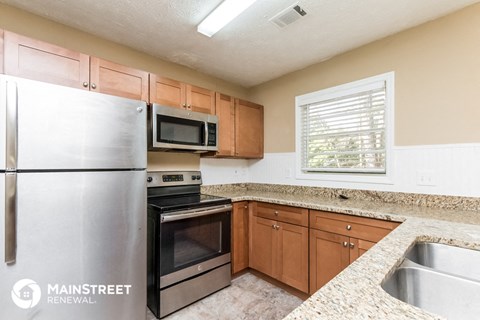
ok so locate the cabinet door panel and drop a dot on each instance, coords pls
(359, 247)
(167, 92)
(248, 129)
(37, 60)
(200, 99)
(239, 236)
(328, 257)
(262, 245)
(118, 80)
(292, 260)
(225, 111)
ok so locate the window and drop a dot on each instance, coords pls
(346, 130)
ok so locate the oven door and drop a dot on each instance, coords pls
(193, 241)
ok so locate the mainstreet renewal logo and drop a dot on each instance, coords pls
(26, 293)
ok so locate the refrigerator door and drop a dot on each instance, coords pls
(61, 128)
(81, 245)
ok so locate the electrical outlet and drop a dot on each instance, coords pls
(426, 178)
(288, 173)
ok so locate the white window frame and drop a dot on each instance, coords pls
(339, 91)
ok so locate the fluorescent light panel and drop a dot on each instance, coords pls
(223, 14)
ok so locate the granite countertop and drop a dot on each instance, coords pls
(356, 293)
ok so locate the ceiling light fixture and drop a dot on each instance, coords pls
(222, 15)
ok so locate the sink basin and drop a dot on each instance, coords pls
(440, 279)
(441, 257)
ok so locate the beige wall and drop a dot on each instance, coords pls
(437, 83)
(22, 22)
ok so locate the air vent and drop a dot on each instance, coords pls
(288, 16)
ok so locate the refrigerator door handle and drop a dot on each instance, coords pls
(11, 126)
(10, 217)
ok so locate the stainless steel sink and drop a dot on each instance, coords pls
(441, 257)
(432, 278)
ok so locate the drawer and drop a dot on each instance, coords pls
(357, 227)
(294, 215)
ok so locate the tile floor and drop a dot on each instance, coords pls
(249, 297)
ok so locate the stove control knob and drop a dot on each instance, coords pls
(149, 179)
(194, 177)
(199, 177)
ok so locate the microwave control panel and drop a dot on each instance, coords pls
(212, 134)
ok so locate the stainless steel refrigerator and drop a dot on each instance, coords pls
(72, 203)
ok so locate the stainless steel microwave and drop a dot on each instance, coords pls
(175, 129)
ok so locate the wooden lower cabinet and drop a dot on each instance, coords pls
(240, 236)
(337, 240)
(280, 250)
(328, 257)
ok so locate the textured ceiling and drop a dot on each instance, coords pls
(250, 50)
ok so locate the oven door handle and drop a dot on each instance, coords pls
(193, 213)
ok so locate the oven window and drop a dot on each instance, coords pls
(197, 242)
(190, 241)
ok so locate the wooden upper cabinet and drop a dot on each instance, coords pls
(1, 50)
(118, 80)
(200, 99)
(167, 92)
(33, 59)
(248, 129)
(225, 111)
(173, 93)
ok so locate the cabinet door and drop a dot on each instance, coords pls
(167, 92)
(239, 236)
(292, 255)
(200, 99)
(118, 80)
(37, 60)
(1, 50)
(225, 111)
(262, 245)
(248, 129)
(329, 255)
(359, 247)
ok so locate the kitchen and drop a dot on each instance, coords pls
(435, 145)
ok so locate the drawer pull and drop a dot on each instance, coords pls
(345, 244)
(352, 245)
(276, 212)
(349, 227)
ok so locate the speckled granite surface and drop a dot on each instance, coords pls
(356, 293)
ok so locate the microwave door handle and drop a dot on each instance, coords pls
(205, 134)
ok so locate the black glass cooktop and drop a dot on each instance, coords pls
(188, 201)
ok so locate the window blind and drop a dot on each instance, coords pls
(345, 133)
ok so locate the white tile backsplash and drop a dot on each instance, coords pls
(452, 169)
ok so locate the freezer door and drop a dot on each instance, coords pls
(81, 245)
(65, 128)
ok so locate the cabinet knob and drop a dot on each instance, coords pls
(246, 207)
(85, 84)
(345, 244)
(184, 106)
(352, 245)
(273, 226)
(189, 107)
(349, 227)
(94, 86)
(276, 212)
(277, 227)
